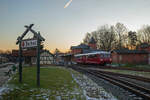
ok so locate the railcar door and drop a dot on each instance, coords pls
(83, 59)
(107, 59)
(101, 59)
(96, 59)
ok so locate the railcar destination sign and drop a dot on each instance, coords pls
(28, 43)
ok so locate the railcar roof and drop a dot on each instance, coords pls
(93, 53)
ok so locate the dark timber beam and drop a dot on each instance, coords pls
(35, 33)
(25, 32)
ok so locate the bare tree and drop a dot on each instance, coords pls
(118, 37)
(1, 51)
(121, 32)
(144, 34)
(132, 39)
(57, 51)
(106, 38)
(7, 52)
(87, 38)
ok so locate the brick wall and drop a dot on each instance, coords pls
(93, 46)
(27, 53)
(130, 58)
(146, 49)
(76, 51)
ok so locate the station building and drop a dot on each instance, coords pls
(68, 58)
(83, 48)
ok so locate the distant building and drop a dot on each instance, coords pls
(130, 56)
(29, 56)
(3, 59)
(46, 58)
(58, 58)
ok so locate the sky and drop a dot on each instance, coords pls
(62, 26)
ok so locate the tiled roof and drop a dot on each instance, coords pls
(92, 41)
(130, 51)
(47, 52)
(81, 46)
(144, 45)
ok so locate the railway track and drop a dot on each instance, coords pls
(139, 91)
(117, 68)
(140, 78)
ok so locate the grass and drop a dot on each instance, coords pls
(139, 66)
(54, 82)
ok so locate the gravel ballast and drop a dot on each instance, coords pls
(92, 90)
(116, 91)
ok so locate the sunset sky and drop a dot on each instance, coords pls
(65, 26)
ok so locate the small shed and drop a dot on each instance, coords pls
(130, 56)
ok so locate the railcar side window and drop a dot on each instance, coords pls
(106, 56)
(91, 56)
(79, 57)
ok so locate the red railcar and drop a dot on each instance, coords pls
(101, 58)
